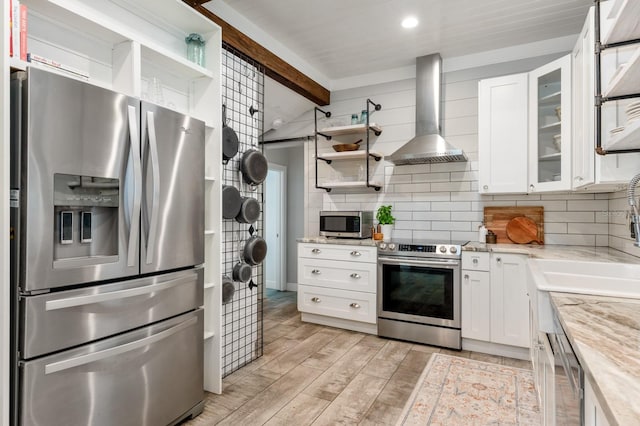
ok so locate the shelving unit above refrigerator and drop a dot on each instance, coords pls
(123, 44)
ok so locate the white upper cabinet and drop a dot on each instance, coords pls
(502, 134)
(550, 126)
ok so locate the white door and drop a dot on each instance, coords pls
(275, 202)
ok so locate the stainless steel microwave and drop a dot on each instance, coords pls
(341, 224)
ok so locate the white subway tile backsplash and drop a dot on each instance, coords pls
(451, 226)
(429, 215)
(450, 186)
(432, 235)
(461, 206)
(464, 236)
(591, 205)
(549, 206)
(413, 225)
(412, 187)
(431, 177)
(412, 206)
(570, 239)
(555, 228)
(464, 176)
(432, 196)
(588, 228)
(472, 216)
(450, 167)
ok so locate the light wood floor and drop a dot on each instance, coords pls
(312, 374)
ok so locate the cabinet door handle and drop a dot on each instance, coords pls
(316, 251)
(498, 259)
(355, 305)
(532, 188)
(466, 277)
(315, 299)
(356, 253)
(475, 260)
(315, 272)
(485, 187)
(356, 276)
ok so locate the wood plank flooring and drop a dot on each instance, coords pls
(316, 375)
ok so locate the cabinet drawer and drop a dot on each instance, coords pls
(341, 275)
(478, 261)
(338, 252)
(350, 305)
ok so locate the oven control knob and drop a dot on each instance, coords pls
(392, 246)
(453, 249)
(382, 246)
(443, 249)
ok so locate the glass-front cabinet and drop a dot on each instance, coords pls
(550, 127)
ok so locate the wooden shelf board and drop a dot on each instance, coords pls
(551, 126)
(550, 98)
(626, 81)
(349, 155)
(624, 25)
(350, 184)
(556, 156)
(168, 60)
(629, 138)
(352, 129)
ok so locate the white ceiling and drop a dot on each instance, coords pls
(343, 38)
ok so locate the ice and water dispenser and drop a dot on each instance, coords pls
(85, 217)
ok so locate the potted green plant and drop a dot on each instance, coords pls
(386, 221)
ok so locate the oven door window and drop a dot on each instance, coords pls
(422, 291)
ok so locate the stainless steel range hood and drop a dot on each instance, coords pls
(427, 146)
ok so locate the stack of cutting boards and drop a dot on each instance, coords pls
(516, 225)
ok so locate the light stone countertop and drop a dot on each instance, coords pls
(600, 254)
(339, 241)
(605, 334)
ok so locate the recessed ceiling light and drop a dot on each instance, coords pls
(410, 22)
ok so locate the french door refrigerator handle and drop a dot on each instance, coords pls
(155, 164)
(67, 364)
(71, 302)
(134, 142)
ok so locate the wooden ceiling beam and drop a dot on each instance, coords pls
(275, 67)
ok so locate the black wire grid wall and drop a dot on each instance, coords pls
(243, 95)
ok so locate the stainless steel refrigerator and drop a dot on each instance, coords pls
(107, 217)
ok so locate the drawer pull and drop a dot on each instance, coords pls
(498, 259)
(316, 251)
(355, 305)
(315, 272)
(356, 253)
(475, 260)
(466, 277)
(315, 299)
(356, 276)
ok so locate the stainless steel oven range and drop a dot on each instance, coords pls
(419, 293)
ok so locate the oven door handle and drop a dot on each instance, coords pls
(419, 262)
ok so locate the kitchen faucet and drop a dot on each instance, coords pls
(635, 215)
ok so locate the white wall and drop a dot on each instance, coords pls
(440, 201)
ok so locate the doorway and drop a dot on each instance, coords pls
(275, 215)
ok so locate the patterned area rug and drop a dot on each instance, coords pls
(460, 391)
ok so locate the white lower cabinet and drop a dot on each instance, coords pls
(593, 413)
(495, 306)
(337, 285)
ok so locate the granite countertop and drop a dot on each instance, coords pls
(339, 241)
(605, 334)
(600, 254)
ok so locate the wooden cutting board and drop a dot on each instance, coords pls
(497, 219)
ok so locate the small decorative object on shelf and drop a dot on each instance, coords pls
(354, 119)
(386, 221)
(363, 116)
(195, 48)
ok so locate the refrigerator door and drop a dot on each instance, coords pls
(64, 319)
(147, 377)
(81, 154)
(173, 198)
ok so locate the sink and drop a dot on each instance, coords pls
(598, 278)
(571, 276)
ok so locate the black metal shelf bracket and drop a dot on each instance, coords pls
(599, 100)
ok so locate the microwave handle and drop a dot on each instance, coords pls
(134, 142)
